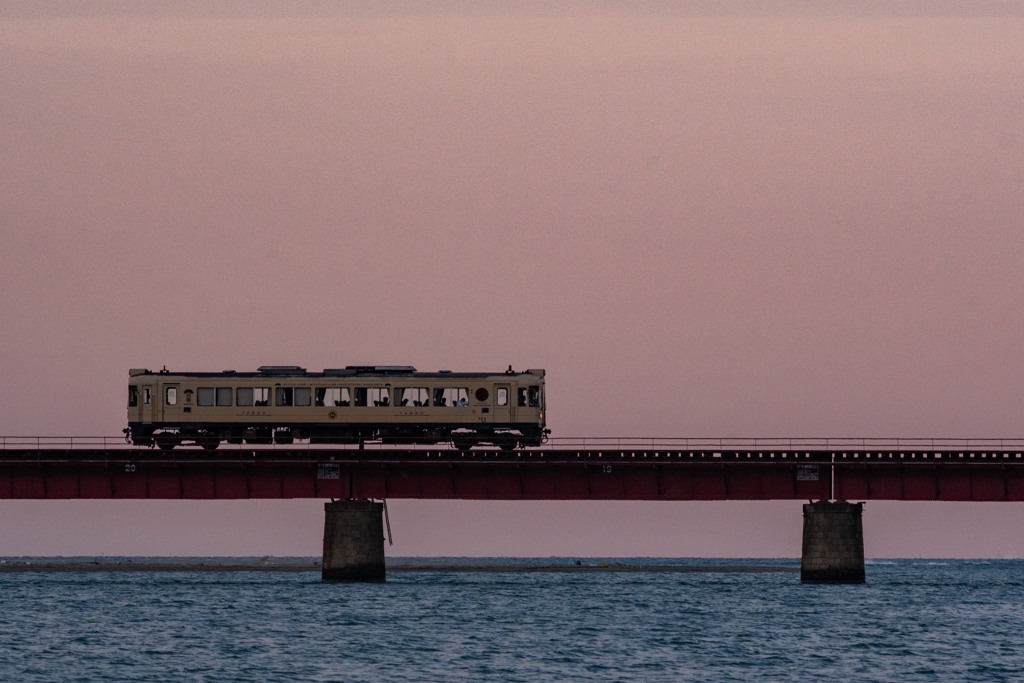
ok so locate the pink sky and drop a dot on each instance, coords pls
(750, 223)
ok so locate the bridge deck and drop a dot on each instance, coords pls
(976, 470)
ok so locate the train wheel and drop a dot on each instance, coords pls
(463, 444)
(259, 436)
(166, 442)
(209, 443)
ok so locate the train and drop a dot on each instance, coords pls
(282, 404)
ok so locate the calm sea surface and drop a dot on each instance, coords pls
(914, 620)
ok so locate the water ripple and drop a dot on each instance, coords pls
(912, 621)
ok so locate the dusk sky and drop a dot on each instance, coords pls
(767, 220)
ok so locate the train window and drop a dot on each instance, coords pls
(412, 396)
(381, 396)
(502, 396)
(360, 396)
(133, 396)
(204, 396)
(252, 396)
(147, 395)
(223, 396)
(292, 396)
(521, 397)
(452, 396)
(332, 396)
(533, 397)
(171, 396)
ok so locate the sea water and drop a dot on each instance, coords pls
(914, 620)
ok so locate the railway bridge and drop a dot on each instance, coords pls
(830, 473)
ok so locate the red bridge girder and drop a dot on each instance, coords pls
(524, 475)
(445, 474)
(978, 482)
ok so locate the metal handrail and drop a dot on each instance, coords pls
(702, 444)
(791, 444)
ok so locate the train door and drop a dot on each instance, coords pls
(170, 403)
(504, 412)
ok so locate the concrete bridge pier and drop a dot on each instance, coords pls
(353, 541)
(833, 547)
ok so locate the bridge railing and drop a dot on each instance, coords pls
(786, 444)
(704, 444)
(26, 443)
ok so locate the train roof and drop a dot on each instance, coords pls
(295, 371)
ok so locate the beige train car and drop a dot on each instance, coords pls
(355, 404)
